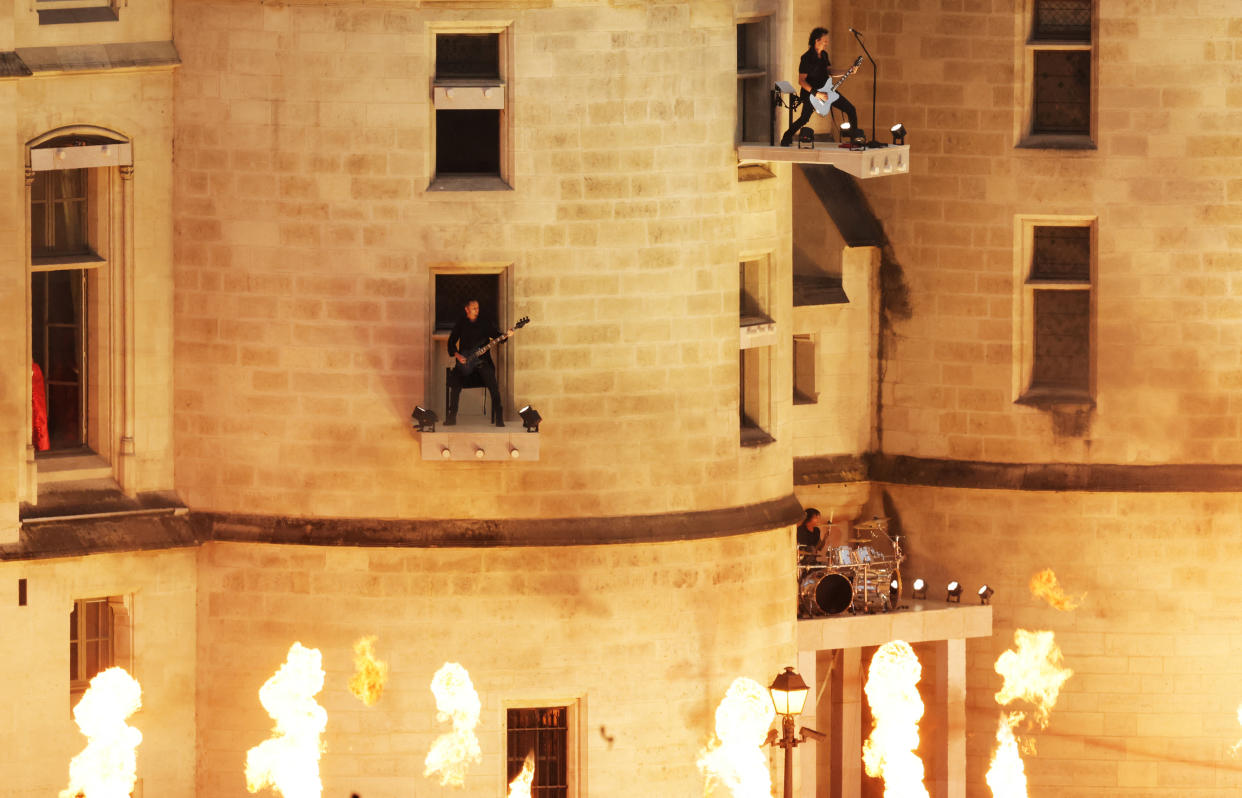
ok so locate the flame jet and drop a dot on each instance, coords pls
(453, 751)
(1044, 585)
(289, 760)
(107, 767)
(735, 757)
(1033, 673)
(370, 674)
(893, 694)
(520, 786)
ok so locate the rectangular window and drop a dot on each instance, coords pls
(542, 734)
(804, 392)
(99, 638)
(1056, 270)
(58, 214)
(471, 114)
(58, 339)
(754, 100)
(1060, 75)
(753, 299)
(754, 395)
(60, 12)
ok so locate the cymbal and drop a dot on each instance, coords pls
(874, 523)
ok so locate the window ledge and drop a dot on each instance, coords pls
(1053, 398)
(746, 172)
(468, 183)
(72, 16)
(46, 264)
(754, 436)
(1056, 141)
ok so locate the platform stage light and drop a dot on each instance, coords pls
(920, 588)
(530, 418)
(985, 594)
(894, 592)
(899, 134)
(424, 419)
(953, 592)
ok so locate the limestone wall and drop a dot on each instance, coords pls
(643, 640)
(37, 734)
(1152, 706)
(307, 236)
(1160, 181)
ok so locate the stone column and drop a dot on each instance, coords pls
(125, 470)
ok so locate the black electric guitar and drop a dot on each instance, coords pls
(829, 88)
(472, 357)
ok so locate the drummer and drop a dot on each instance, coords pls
(811, 541)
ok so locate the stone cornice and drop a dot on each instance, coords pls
(1098, 477)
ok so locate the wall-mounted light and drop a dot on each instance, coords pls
(953, 592)
(985, 594)
(920, 588)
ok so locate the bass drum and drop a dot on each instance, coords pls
(825, 593)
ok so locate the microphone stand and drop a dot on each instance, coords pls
(874, 143)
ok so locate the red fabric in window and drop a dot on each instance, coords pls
(39, 401)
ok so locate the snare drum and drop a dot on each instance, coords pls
(841, 555)
(867, 554)
(825, 592)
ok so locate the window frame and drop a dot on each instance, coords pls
(1027, 137)
(1024, 344)
(437, 350)
(575, 752)
(119, 640)
(804, 345)
(473, 93)
(756, 348)
(757, 74)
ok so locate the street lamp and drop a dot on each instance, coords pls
(788, 695)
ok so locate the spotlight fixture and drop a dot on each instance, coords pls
(899, 134)
(985, 594)
(530, 418)
(894, 592)
(920, 588)
(424, 419)
(954, 592)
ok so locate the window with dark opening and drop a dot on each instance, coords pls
(543, 735)
(754, 118)
(57, 338)
(470, 108)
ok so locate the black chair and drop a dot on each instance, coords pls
(472, 380)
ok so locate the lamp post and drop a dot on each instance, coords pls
(788, 696)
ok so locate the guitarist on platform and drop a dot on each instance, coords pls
(814, 70)
(468, 335)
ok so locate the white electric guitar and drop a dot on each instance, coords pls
(822, 107)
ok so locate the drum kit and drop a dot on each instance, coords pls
(856, 577)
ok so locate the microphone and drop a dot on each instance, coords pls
(856, 33)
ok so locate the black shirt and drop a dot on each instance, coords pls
(815, 66)
(470, 335)
(808, 536)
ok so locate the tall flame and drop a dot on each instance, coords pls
(1238, 745)
(1033, 673)
(1007, 775)
(288, 761)
(367, 683)
(107, 766)
(892, 692)
(735, 757)
(1044, 585)
(456, 700)
(520, 786)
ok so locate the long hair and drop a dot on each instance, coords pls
(811, 512)
(814, 37)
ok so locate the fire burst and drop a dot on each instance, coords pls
(520, 786)
(735, 757)
(892, 691)
(1044, 585)
(107, 767)
(289, 760)
(1033, 673)
(456, 700)
(367, 683)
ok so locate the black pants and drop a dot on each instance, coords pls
(845, 106)
(483, 375)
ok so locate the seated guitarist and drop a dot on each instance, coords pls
(468, 335)
(814, 70)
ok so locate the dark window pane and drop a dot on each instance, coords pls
(1062, 253)
(1062, 340)
(468, 55)
(64, 296)
(58, 213)
(1062, 92)
(64, 420)
(751, 41)
(544, 732)
(1062, 20)
(73, 662)
(92, 660)
(468, 142)
(38, 188)
(92, 620)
